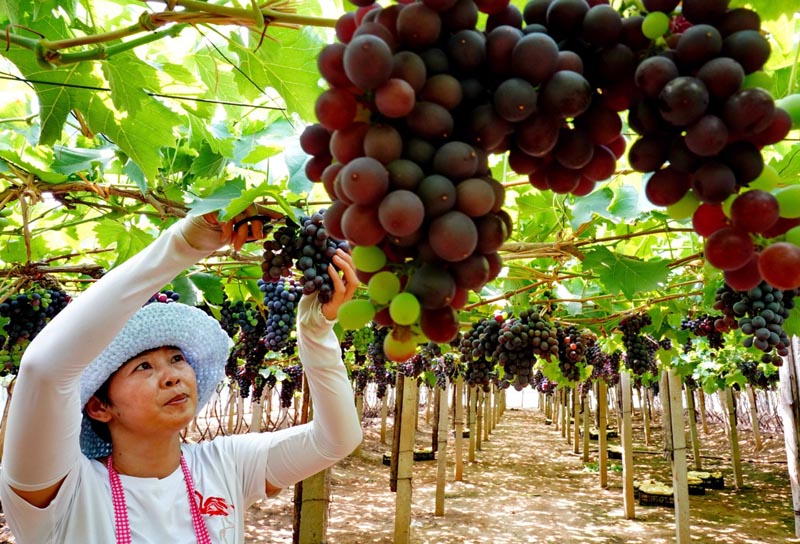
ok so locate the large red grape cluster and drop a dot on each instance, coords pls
(419, 96)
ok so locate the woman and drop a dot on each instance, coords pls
(93, 450)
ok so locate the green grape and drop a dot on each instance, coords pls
(404, 309)
(767, 180)
(757, 79)
(789, 201)
(791, 104)
(356, 313)
(655, 24)
(383, 286)
(793, 236)
(369, 258)
(684, 208)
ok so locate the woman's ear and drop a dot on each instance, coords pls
(97, 409)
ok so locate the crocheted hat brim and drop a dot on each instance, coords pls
(199, 336)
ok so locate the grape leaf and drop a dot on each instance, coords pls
(623, 274)
(37, 160)
(69, 160)
(595, 203)
(128, 239)
(128, 78)
(626, 203)
(218, 200)
(209, 284)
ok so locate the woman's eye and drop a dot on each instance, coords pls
(178, 358)
(143, 366)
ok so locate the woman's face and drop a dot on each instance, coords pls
(153, 393)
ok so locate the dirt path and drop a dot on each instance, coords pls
(528, 486)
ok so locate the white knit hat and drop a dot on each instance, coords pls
(199, 336)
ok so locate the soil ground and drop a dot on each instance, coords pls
(526, 486)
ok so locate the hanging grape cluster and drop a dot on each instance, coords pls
(756, 377)
(281, 298)
(572, 345)
(292, 382)
(639, 348)
(306, 247)
(26, 314)
(542, 384)
(244, 323)
(760, 313)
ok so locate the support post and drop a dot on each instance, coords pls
(576, 435)
(734, 439)
(751, 399)
(441, 456)
(586, 411)
(458, 422)
(698, 463)
(627, 445)
(602, 440)
(680, 484)
(473, 421)
(405, 463)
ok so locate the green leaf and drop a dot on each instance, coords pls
(285, 61)
(623, 274)
(69, 160)
(135, 174)
(209, 285)
(626, 203)
(595, 203)
(128, 81)
(295, 159)
(208, 164)
(37, 160)
(129, 240)
(219, 199)
(186, 289)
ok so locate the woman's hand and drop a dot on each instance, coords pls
(247, 226)
(343, 286)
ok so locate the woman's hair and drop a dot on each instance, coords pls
(100, 427)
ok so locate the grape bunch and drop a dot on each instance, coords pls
(243, 322)
(281, 298)
(166, 296)
(572, 345)
(477, 349)
(514, 352)
(446, 368)
(379, 367)
(761, 312)
(542, 384)
(28, 312)
(639, 348)
(702, 125)
(307, 247)
(293, 381)
(755, 375)
(704, 326)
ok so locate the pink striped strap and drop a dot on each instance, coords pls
(122, 526)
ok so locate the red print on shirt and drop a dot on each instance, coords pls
(213, 506)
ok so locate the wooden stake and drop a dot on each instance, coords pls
(359, 400)
(751, 398)
(602, 456)
(627, 445)
(399, 386)
(680, 484)
(585, 410)
(458, 421)
(473, 422)
(734, 439)
(789, 408)
(702, 398)
(405, 463)
(564, 414)
(441, 468)
(663, 391)
(698, 464)
(384, 414)
(434, 392)
(487, 412)
(576, 434)
(646, 417)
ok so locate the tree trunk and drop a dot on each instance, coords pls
(790, 416)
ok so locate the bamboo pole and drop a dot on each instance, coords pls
(602, 456)
(789, 408)
(405, 463)
(627, 445)
(734, 439)
(441, 469)
(698, 463)
(751, 399)
(458, 422)
(473, 421)
(680, 484)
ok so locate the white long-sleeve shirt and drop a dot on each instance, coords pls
(42, 436)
